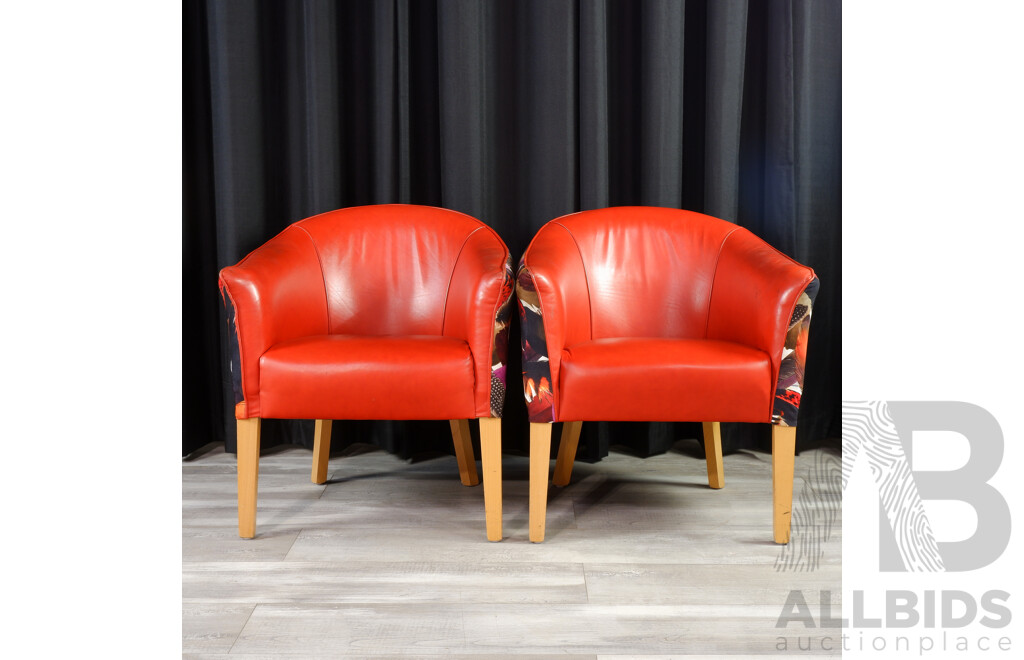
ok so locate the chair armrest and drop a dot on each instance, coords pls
(277, 293)
(762, 298)
(477, 310)
(789, 385)
(554, 309)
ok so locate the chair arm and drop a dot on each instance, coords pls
(789, 385)
(554, 309)
(477, 310)
(277, 293)
(762, 298)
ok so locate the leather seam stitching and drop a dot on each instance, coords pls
(714, 278)
(451, 277)
(323, 277)
(586, 279)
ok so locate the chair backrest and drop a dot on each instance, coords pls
(649, 271)
(387, 268)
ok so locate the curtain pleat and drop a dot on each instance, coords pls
(592, 81)
(726, 39)
(467, 47)
(320, 109)
(515, 112)
(661, 103)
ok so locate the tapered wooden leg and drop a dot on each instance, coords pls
(464, 452)
(713, 453)
(566, 453)
(248, 474)
(783, 453)
(321, 449)
(540, 461)
(490, 458)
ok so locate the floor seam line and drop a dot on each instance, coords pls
(242, 629)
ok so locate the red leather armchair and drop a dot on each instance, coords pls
(374, 312)
(641, 313)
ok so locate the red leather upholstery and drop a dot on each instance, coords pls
(349, 377)
(664, 380)
(701, 312)
(374, 312)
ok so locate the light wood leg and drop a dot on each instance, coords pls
(464, 452)
(713, 453)
(248, 474)
(540, 460)
(566, 453)
(321, 449)
(783, 453)
(490, 457)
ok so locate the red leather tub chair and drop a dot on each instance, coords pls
(374, 312)
(640, 313)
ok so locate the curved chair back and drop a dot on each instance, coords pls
(646, 272)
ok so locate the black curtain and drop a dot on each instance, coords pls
(515, 112)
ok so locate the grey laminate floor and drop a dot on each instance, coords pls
(390, 559)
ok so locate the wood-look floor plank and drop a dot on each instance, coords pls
(688, 545)
(713, 584)
(508, 629)
(361, 629)
(223, 544)
(437, 512)
(206, 486)
(605, 503)
(382, 582)
(212, 627)
(673, 629)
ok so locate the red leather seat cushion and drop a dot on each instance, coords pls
(355, 377)
(664, 380)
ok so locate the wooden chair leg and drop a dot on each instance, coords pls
(540, 460)
(464, 452)
(248, 474)
(566, 453)
(713, 453)
(321, 449)
(783, 453)
(490, 457)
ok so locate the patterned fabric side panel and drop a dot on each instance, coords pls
(789, 387)
(536, 369)
(234, 354)
(499, 354)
